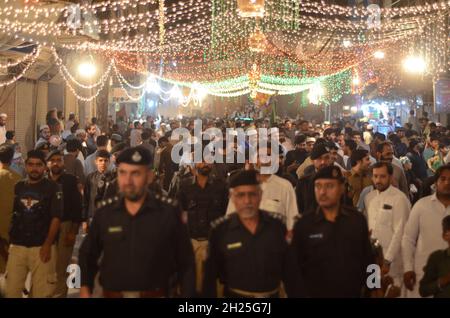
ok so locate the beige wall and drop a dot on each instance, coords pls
(25, 114)
(26, 104)
(70, 103)
(41, 103)
(8, 104)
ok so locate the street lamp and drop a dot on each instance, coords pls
(87, 69)
(152, 85)
(414, 64)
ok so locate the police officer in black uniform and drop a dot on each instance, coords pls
(331, 247)
(141, 237)
(203, 199)
(306, 202)
(34, 227)
(248, 250)
(71, 217)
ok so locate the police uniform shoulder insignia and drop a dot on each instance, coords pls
(106, 202)
(219, 221)
(277, 216)
(166, 199)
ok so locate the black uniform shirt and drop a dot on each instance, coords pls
(241, 260)
(306, 198)
(332, 256)
(203, 205)
(72, 201)
(34, 207)
(94, 191)
(140, 252)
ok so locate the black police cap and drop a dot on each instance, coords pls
(318, 151)
(330, 172)
(135, 156)
(244, 177)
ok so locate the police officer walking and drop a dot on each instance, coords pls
(248, 249)
(331, 246)
(140, 236)
(203, 199)
(71, 218)
(35, 225)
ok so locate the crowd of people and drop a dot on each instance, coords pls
(344, 198)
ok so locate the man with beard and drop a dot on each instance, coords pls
(71, 218)
(203, 199)
(359, 177)
(140, 237)
(330, 247)
(3, 118)
(421, 234)
(44, 136)
(387, 212)
(296, 157)
(385, 153)
(91, 131)
(330, 135)
(34, 227)
(248, 249)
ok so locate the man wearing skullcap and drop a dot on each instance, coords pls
(44, 136)
(3, 118)
(140, 236)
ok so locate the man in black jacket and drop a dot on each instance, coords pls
(306, 201)
(96, 184)
(419, 165)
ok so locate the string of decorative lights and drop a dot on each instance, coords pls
(307, 6)
(211, 41)
(20, 60)
(15, 78)
(72, 78)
